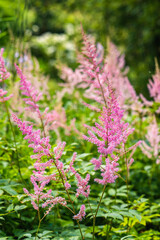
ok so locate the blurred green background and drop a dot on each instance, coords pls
(51, 29)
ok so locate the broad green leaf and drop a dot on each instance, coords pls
(20, 207)
(114, 215)
(111, 192)
(10, 207)
(1, 192)
(136, 214)
(9, 190)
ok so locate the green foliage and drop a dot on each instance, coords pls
(126, 212)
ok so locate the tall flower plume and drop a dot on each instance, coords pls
(3, 76)
(111, 132)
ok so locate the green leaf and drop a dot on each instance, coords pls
(125, 213)
(9, 190)
(10, 207)
(111, 192)
(135, 213)
(126, 237)
(83, 155)
(1, 192)
(114, 215)
(20, 207)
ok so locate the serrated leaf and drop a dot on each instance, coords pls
(83, 155)
(20, 207)
(121, 194)
(126, 237)
(10, 208)
(111, 192)
(135, 213)
(45, 233)
(114, 215)
(10, 190)
(1, 192)
(125, 213)
(115, 207)
(27, 235)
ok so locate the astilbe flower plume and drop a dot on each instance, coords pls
(31, 71)
(32, 95)
(81, 213)
(3, 76)
(114, 65)
(154, 85)
(42, 148)
(39, 178)
(111, 132)
(152, 149)
(49, 120)
(154, 89)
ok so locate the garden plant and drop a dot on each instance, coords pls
(80, 159)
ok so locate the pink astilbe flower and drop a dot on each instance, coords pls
(3, 71)
(32, 95)
(57, 119)
(154, 89)
(40, 145)
(31, 70)
(154, 85)
(48, 120)
(152, 149)
(73, 80)
(117, 73)
(3, 76)
(81, 214)
(111, 132)
(71, 168)
(97, 162)
(40, 179)
(83, 187)
(109, 172)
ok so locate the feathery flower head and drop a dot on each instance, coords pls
(3, 71)
(3, 76)
(81, 214)
(33, 96)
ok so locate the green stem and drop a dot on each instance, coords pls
(39, 218)
(62, 179)
(127, 183)
(14, 138)
(94, 219)
(90, 207)
(61, 176)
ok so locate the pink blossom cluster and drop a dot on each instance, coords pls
(83, 187)
(3, 76)
(81, 213)
(108, 173)
(31, 71)
(33, 96)
(111, 132)
(40, 145)
(152, 149)
(51, 120)
(117, 73)
(108, 135)
(154, 85)
(154, 90)
(40, 178)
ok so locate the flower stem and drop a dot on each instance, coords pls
(94, 219)
(14, 140)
